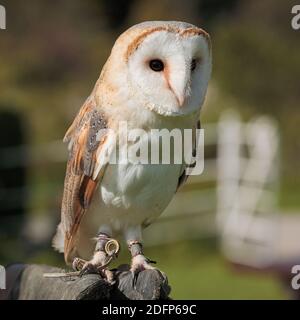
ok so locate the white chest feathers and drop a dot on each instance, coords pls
(138, 192)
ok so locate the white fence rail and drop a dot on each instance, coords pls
(247, 183)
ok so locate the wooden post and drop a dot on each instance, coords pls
(26, 282)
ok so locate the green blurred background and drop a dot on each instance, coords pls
(50, 57)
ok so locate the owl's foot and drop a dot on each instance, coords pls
(138, 264)
(96, 266)
(106, 250)
(84, 266)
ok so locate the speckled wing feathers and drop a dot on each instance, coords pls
(79, 187)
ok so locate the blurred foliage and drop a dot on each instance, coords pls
(256, 61)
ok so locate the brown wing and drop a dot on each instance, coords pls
(184, 176)
(80, 183)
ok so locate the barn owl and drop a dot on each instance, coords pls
(155, 77)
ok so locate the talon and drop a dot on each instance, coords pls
(82, 272)
(151, 261)
(134, 278)
(87, 269)
(108, 275)
(78, 264)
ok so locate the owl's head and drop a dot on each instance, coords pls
(166, 65)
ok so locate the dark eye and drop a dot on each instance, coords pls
(156, 65)
(193, 64)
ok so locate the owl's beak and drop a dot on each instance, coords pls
(180, 95)
(181, 100)
(179, 87)
(178, 81)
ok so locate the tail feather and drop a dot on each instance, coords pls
(59, 239)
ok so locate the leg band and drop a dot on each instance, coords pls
(135, 248)
(102, 239)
